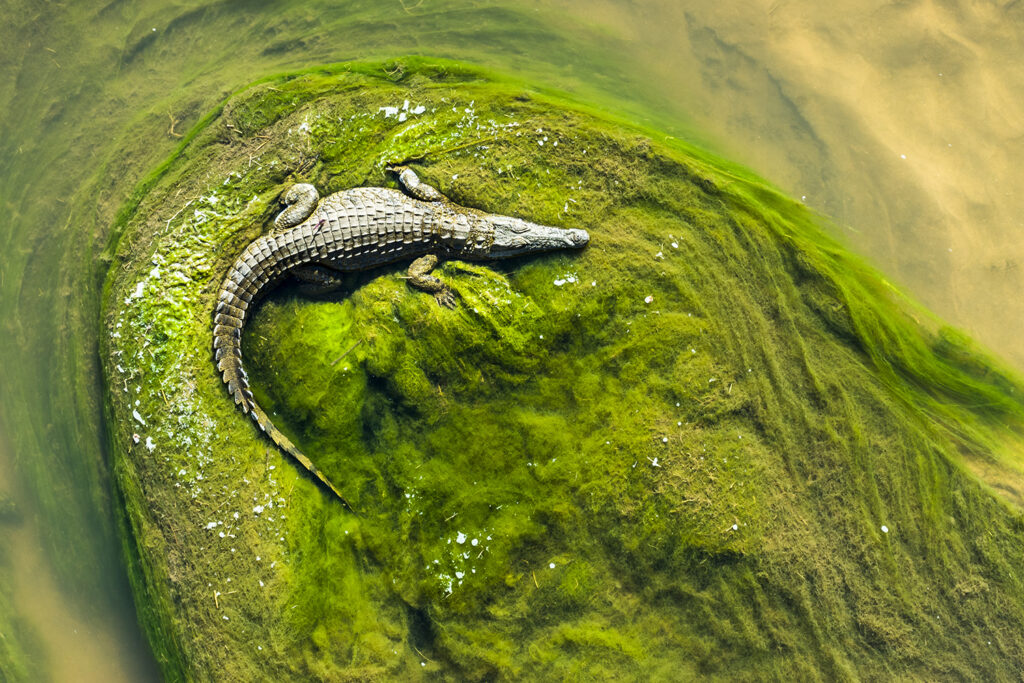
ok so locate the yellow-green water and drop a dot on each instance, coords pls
(898, 121)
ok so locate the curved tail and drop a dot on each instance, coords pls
(233, 303)
(285, 444)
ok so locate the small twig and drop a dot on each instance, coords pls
(174, 122)
(307, 163)
(534, 574)
(338, 359)
(177, 212)
(421, 654)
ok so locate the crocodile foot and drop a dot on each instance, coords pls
(445, 297)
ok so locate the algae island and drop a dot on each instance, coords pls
(711, 444)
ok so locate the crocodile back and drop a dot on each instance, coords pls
(366, 227)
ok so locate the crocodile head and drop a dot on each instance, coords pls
(514, 236)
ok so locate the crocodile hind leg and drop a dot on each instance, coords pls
(420, 278)
(411, 185)
(317, 280)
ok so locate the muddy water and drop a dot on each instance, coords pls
(80, 646)
(902, 122)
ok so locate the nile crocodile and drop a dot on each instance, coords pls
(354, 230)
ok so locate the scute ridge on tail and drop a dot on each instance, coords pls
(285, 444)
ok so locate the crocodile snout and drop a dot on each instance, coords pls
(576, 238)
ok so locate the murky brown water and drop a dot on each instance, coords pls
(81, 647)
(901, 121)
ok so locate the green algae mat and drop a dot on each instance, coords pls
(710, 444)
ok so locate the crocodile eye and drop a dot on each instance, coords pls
(518, 228)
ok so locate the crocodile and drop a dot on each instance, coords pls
(358, 229)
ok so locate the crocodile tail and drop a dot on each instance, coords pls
(229, 316)
(285, 444)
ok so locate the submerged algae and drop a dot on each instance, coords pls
(713, 443)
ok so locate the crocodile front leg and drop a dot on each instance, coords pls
(420, 278)
(412, 186)
(419, 270)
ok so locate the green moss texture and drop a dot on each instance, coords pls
(712, 444)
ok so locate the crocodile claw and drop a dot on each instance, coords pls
(445, 297)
